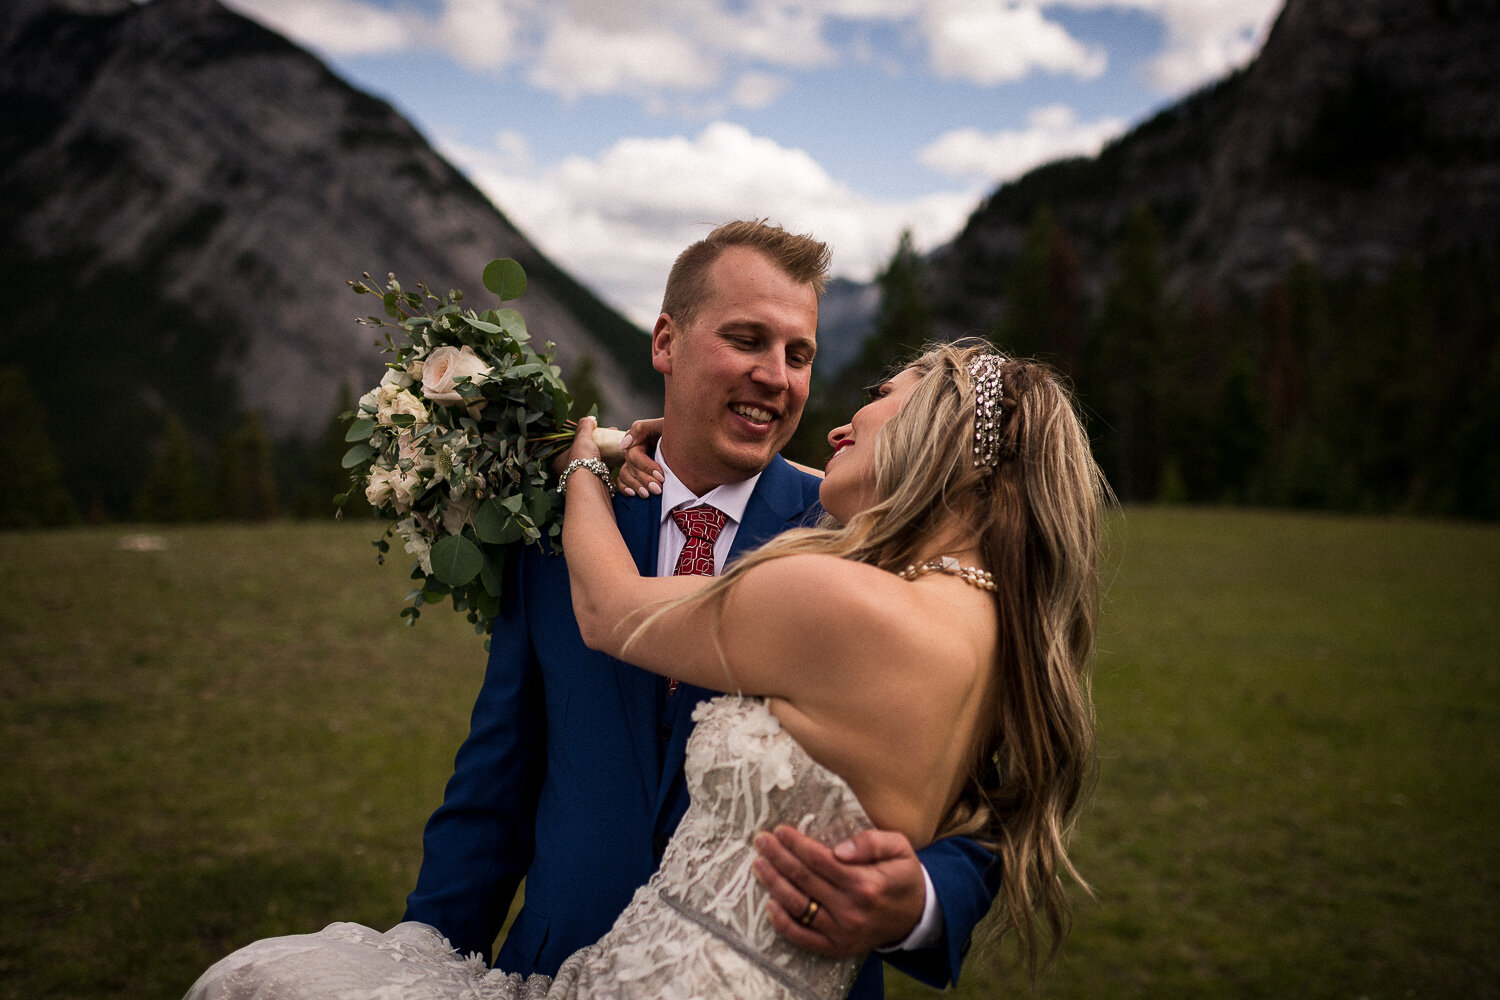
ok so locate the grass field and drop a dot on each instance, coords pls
(231, 736)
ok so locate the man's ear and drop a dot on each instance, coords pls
(661, 343)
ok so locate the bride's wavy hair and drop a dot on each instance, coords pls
(1037, 518)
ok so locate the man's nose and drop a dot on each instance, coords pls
(772, 370)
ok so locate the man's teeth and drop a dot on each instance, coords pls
(754, 414)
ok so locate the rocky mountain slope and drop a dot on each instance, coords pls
(1364, 133)
(183, 195)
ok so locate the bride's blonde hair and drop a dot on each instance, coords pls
(1035, 517)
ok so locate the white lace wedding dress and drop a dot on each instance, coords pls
(697, 929)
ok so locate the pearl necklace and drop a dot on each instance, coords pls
(972, 575)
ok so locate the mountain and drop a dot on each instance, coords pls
(1364, 133)
(184, 195)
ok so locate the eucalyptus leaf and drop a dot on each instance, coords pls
(493, 578)
(506, 278)
(490, 520)
(359, 430)
(456, 560)
(514, 324)
(359, 453)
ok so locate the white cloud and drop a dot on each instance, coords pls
(988, 43)
(337, 27)
(481, 34)
(757, 90)
(1051, 133)
(585, 58)
(1205, 38)
(622, 217)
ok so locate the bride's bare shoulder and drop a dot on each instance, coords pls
(823, 592)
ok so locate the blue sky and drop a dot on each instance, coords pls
(613, 133)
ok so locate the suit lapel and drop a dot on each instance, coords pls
(640, 524)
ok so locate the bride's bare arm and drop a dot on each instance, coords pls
(780, 616)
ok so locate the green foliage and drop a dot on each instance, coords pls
(1045, 314)
(583, 383)
(34, 496)
(172, 492)
(464, 470)
(244, 485)
(312, 477)
(1123, 371)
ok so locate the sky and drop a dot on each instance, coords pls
(613, 133)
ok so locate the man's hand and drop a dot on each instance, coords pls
(869, 890)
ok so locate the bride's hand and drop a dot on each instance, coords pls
(640, 474)
(585, 443)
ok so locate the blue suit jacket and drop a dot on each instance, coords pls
(571, 776)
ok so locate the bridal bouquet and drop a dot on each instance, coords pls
(455, 443)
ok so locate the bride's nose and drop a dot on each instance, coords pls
(838, 434)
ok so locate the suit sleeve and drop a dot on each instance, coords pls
(967, 879)
(479, 843)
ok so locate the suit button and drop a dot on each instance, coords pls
(659, 844)
(664, 733)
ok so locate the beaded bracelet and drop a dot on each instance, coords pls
(594, 465)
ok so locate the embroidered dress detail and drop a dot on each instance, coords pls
(698, 929)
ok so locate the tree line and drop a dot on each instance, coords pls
(1325, 392)
(1319, 391)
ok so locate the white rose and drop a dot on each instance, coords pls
(393, 488)
(444, 365)
(396, 377)
(393, 401)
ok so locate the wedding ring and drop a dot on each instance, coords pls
(810, 913)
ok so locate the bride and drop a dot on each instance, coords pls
(922, 667)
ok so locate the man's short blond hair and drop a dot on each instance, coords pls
(800, 257)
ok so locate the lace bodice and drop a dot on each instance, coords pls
(697, 929)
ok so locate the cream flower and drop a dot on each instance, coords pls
(393, 488)
(416, 541)
(443, 366)
(392, 400)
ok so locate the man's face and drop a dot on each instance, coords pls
(737, 378)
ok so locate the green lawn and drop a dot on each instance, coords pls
(232, 736)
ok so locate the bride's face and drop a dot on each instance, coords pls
(849, 480)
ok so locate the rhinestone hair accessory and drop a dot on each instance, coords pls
(984, 374)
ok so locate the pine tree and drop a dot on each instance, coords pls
(34, 496)
(1123, 374)
(246, 489)
(1044, 315)
(171, 492)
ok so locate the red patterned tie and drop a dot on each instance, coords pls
(701, 525)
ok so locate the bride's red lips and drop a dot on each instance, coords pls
(846, 443)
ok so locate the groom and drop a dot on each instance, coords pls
(571, 776)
